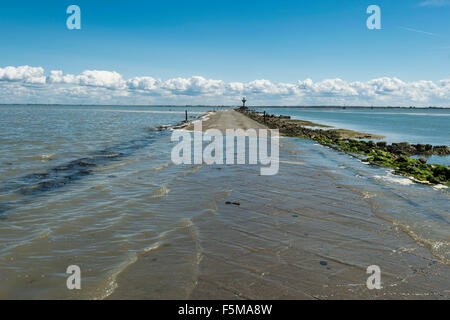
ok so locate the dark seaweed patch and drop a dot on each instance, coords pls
(37, 184)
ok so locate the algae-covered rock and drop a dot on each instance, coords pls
(395, 155)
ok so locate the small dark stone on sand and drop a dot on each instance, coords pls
(295, 216)
(235, 203)
(323, 263)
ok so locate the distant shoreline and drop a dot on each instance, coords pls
(223, 106)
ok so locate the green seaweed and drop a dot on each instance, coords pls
(395, 156)
(402, 165)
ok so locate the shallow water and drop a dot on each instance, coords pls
(95, 187)
(425, 126)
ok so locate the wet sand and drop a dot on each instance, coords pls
(304, 233)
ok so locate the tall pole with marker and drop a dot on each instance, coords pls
(243, 108)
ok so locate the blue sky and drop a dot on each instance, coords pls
(231, 41)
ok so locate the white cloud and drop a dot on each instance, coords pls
(194, 86)
(25, 74)
(105, 79)
(144, 83)
(94, 78)
(328, 87)
(266, 87)
(56, 76)
(27, 84)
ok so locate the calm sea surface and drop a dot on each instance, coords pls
(95, 187)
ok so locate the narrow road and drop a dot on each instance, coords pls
(228, 119)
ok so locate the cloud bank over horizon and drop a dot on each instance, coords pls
(27, 84)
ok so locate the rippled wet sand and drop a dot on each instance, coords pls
(302, 234)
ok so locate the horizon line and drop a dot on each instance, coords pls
(222, 106)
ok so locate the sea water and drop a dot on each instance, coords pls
(95, 187)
